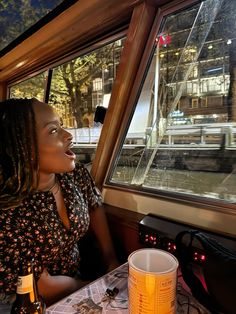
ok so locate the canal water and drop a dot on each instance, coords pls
(214, 185)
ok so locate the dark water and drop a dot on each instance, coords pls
(202, 183)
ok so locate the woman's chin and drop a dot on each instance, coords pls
(67, 167)
(72, 166)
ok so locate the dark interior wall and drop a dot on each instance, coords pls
(123, 225)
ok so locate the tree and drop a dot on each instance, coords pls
(31, 88)
(73, 81)
(18, 16)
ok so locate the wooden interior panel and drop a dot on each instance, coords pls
(3, 91)
(123, 225)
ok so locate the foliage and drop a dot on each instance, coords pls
(17, 16)
(72, 81)
(31, 88)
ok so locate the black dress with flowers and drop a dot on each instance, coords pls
(34, 230)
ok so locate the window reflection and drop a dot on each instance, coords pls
(184, 127)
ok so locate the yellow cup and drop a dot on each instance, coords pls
(152, 282)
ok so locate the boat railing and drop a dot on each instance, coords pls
(202, 136)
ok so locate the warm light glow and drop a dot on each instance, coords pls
(21, 63)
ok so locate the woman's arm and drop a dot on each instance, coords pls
(54, 288)
(100, 228)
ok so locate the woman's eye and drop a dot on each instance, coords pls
(53, 131)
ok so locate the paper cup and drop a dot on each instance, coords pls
(152, 282)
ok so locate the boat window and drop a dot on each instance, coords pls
(182, 137)
(79, 88)
(30, 88)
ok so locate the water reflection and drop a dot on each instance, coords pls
(201, 183)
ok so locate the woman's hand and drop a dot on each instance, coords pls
(54, 288)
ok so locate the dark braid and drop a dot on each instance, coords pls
(18, 151)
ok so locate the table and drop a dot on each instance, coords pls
(89, 299)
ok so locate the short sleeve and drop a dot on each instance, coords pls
(85, 183)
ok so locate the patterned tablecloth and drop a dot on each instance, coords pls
(91, 300)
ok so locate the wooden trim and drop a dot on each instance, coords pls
(125, 217)
(3, 91)
(79, 24)
(124, 230)
(47, 85)
(91, 46)
(139, 29)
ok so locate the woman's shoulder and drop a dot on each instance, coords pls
(80, 173)
(78, 170)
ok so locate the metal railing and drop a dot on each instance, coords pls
(199, 135)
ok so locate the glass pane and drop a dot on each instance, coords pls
(78, 88)
(31, 88)
(17, 16)
(183, 130)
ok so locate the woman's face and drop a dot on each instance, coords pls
(54, 143)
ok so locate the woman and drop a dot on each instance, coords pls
(47, 201)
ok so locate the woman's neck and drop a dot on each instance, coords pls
(46, 182)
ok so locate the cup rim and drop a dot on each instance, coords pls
(162, 252)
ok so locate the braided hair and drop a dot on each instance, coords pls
(18, 151)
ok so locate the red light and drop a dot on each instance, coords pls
(203, 257)
(199, 257)
(164, 40)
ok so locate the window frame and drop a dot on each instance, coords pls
(195, 201)
(100, 42)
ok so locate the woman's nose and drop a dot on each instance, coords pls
(68, 135)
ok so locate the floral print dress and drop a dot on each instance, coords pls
(34, 230)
